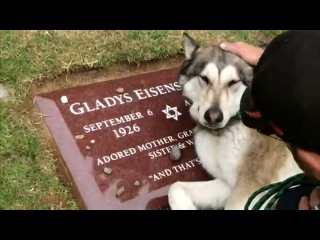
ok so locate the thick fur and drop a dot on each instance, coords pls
(240, 159)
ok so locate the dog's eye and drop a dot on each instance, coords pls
(205, 79)
(233, 82)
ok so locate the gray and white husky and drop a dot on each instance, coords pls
(240, 159)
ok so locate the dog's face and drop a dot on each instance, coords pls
(213, 81)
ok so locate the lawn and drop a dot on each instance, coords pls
(28, 173)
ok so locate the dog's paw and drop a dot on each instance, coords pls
(179, 199)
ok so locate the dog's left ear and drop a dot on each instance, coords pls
(246, 75)
(190, 45)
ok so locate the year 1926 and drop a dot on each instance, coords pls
(123, 131)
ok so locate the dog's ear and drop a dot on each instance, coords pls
(246, 75)
(190, 45)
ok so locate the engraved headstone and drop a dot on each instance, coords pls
(116, 144)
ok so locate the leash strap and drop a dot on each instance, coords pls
(277, 189)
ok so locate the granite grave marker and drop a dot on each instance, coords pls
(115, 138)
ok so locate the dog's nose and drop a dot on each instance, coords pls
(213, 115)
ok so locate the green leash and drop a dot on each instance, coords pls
(277, 189)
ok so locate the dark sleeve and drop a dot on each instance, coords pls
(291, 197)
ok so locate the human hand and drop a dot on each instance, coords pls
(309, 203)
(249, 53)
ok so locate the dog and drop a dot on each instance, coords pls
(240, 160)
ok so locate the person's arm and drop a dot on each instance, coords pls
(249, 53)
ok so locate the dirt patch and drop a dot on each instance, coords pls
(103, 74)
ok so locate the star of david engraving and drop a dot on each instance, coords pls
(171, 112)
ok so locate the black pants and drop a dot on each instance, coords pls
(291, 197)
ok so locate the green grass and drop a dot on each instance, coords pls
(271, 33)
(28, 174)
